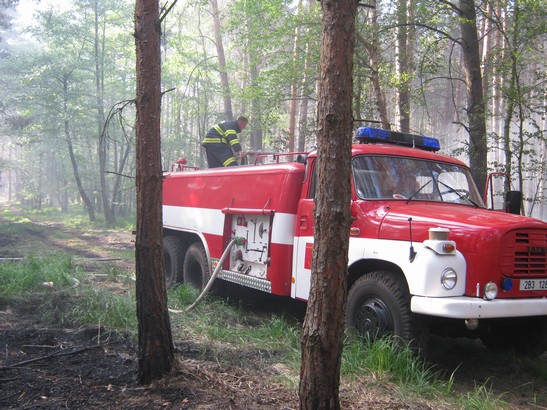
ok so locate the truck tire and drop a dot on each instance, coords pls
(196, 266)
(378, 305)
(173, 258)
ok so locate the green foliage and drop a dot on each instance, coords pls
(102, 307)
(386, 359)
(50, 87)
(482, 398)
(218, 324)
(35, 274)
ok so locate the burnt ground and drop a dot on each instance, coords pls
(45, 367)
(48, 368)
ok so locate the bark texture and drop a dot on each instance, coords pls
(155, 352)
(324, 323)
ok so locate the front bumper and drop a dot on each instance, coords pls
(464, 307)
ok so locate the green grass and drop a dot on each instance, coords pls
(482, 398)
(103, 308)
(220, 328)
(57, 289)
(33, 274)
(226, 333)
(74, 218)
(385, 358)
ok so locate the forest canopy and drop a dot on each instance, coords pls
(68, 79)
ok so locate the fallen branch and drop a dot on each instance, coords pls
(63, 352)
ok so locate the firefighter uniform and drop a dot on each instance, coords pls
(220, 143)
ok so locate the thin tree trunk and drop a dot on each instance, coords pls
(373, 52)
(323, 333)
(155, 352)
(293, 104)
(256, 114)
(228, 112)
(99, 90)
(474, 90)
(405, 15)
(381, 102)
(305, 86)
(87, 201)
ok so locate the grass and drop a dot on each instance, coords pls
(56, 285)
(220, 328)
(482, 398)
(225, 333)
(37, 273)
(384, 358)
(103, 308)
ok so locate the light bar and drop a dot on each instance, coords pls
(367, 135)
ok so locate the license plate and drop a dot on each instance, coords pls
(533, 284)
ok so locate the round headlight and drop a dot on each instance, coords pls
(490, 291)
(449, 278)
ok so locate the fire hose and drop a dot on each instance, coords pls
(235, 241)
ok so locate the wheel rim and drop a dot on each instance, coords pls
(373, 319)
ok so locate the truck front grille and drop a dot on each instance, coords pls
(524, 253)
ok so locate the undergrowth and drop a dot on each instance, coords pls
(60, 294)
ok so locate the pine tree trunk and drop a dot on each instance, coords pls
(322, 338)
(474, 91)
(155, 352)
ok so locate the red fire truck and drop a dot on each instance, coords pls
(424, 253)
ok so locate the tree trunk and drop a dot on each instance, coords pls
(323, 333)
(228, 112)
(99, 90)
(87, 201)
(474, 91)
(305, 86)
(155, 352)
(373, 51)
(405, 53)
(293, 104)
(256, 108)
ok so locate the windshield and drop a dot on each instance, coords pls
(381, 177)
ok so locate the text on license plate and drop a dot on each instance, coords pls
(533, 284)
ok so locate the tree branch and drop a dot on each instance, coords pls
(166, 11)
(430, 28)
(452, 6)
(63, 352)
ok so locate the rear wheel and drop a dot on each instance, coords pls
(196, 267)
(173, 258)
(379, 305)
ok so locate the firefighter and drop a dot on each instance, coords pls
(222, 144)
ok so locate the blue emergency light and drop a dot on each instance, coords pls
(367, 135)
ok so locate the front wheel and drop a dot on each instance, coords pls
(379, 305)
(196, 267)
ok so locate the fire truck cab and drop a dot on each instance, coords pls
(425, 254)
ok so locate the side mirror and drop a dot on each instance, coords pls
(513, 200)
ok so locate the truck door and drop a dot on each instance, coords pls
(301, 271)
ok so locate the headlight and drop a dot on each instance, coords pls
(490, 291)
(449, 278)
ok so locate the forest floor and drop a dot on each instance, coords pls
(48, 367)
